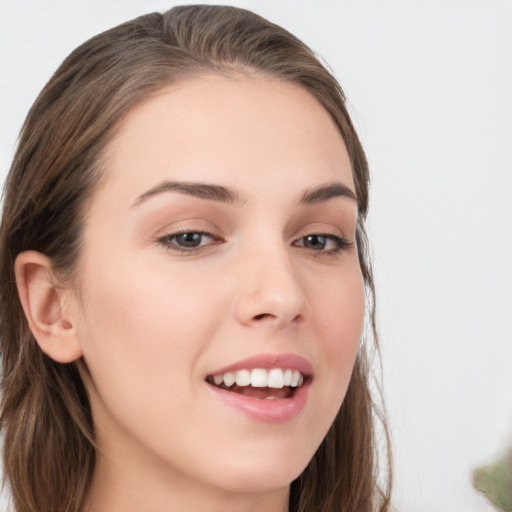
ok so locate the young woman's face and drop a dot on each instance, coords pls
(220, 246)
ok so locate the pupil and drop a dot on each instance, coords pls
(189, 239)
(315, 241)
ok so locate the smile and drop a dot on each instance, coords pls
(260, 378)
(268, 388)
(259, 382)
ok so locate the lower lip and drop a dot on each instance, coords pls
(279, 410)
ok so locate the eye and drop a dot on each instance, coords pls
(188, 241)
(325, 243)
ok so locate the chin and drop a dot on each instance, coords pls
(262, 476)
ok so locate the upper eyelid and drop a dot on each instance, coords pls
(196, 226)
(334, 232)
(314, 228)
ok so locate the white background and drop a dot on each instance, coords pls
(430, 89)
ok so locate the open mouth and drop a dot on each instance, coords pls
(276, 383)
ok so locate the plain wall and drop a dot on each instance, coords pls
(430, 89)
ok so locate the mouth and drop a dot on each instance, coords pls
(261, 383)
(268, 388)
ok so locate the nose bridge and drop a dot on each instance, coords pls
(270, 289)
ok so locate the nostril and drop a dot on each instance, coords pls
(262, 316)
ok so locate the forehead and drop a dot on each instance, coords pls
(237, 131)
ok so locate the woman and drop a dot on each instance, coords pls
(184, 269)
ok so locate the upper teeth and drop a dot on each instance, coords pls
(261, 378)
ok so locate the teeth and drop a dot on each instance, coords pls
(259, 378)
(229, 379)
(275, 378)
(243, 377)
(295, 379)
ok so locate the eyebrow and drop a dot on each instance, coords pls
(199, 190)
(229, 195)
(325, 192)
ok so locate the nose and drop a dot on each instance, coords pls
(270, 291)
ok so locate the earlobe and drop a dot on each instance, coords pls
(46, 307)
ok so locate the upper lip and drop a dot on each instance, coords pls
(269, 361)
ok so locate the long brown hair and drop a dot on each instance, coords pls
(46, 420)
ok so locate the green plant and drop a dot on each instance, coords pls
(495, 481)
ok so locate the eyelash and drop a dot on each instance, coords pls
(340, 243)
(169, 241)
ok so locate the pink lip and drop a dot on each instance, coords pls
(269, 361)
(267, 411)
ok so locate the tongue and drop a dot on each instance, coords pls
(262, 393)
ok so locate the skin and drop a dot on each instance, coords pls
(148, 323)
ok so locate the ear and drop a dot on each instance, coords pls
(47, 307)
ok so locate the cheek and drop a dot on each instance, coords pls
(146, 321)
(339, 314)
(338, 321)
(144, 331)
